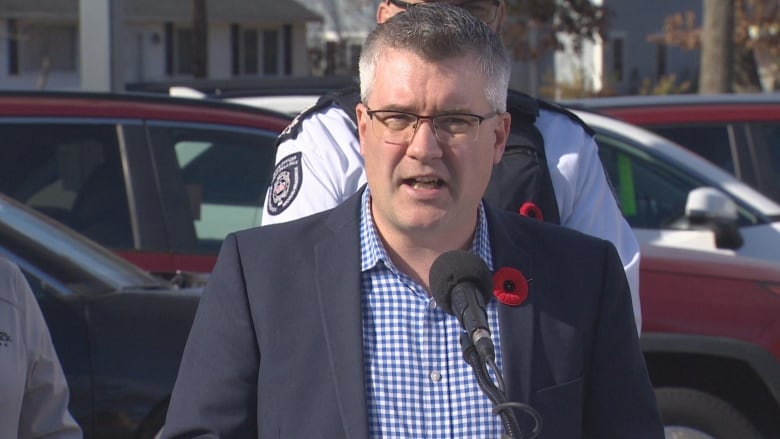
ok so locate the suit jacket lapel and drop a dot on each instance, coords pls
(516, 323)
(337, 277)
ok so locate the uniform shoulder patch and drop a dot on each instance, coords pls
(285, 183)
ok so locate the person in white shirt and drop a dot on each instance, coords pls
(33, 392)
(318, 164)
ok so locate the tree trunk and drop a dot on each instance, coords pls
(199, 39)
(717, 47)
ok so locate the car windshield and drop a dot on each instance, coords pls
(43, 240)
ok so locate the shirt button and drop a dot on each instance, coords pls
(435, 377)
(431, 304)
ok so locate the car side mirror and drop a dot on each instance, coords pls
(709, 208)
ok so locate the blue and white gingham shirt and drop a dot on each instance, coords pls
(417, 383)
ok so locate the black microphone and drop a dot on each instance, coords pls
(461, 284)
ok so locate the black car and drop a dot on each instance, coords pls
(119, 332)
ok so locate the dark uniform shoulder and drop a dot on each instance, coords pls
(522, 106)
(553, 107)
(346, 98)
(525, 107)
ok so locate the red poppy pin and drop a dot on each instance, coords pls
(510, 286)
(531, 210)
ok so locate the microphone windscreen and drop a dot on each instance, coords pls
(455, 267)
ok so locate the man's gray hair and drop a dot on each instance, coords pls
(439, 31)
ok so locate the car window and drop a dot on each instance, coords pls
(767, 135)
(651, 195)
(71, 172)
(713, 142)
(226, 174)
(651, 192)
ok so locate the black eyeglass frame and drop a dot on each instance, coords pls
(406, 5)
(432, 118)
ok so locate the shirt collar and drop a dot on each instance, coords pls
(372, 251)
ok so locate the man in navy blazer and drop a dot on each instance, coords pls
(324, 327)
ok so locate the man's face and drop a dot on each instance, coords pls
(429, 186)
(487, 10)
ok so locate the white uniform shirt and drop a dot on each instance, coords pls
(324, 167)
(33, 391)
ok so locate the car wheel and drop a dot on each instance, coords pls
(693, 414)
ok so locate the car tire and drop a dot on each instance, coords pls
(693, 414)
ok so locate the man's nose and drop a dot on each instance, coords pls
(424, 144)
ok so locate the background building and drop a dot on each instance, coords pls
(41, 45)
(627, 59)
(336, 41)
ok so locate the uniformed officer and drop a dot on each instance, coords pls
(318, 163)
(33, 390)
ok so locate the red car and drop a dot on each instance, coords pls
(738, 132)
(711, 338)
(159, 180)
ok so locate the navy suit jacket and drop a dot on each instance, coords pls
(276, 349)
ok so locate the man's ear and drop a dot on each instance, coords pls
(362, 123)
(501, 132)
(499, 23)
(384, 11)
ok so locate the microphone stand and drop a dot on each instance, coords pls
(496, 395)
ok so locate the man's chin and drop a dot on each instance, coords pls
(424, 221)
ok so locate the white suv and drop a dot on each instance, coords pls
(673, 197)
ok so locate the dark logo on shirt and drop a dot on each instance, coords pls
(5, 339)
(285, 184)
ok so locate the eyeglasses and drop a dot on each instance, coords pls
(485, 10)
(399, 127)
